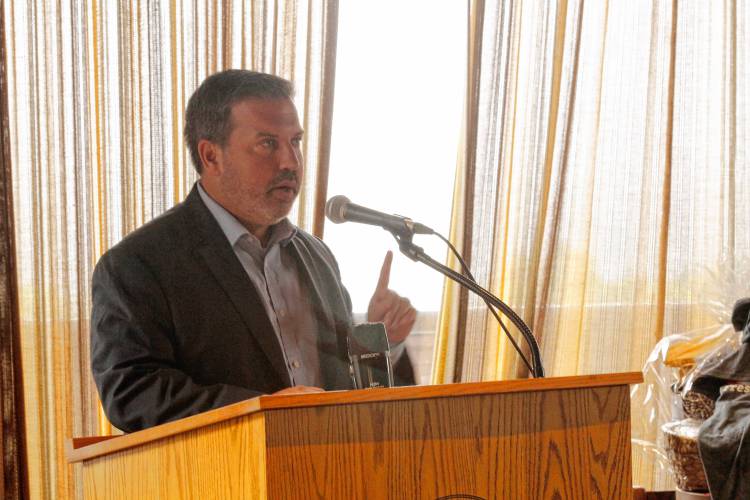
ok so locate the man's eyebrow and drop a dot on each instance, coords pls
(269, 134)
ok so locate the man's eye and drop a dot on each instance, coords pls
(297, 141)
(269, 143)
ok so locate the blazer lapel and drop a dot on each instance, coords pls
(313, 280)
(215, 251)
(333, 331)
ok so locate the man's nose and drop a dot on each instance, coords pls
(290, 157)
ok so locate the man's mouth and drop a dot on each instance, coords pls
(285, 191)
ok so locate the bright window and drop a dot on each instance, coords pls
(400, 80)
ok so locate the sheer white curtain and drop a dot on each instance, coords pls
(604, 171)
(97, 92)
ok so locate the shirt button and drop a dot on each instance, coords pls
(282, 312)
(295, 364)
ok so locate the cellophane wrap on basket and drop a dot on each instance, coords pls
(673, 411)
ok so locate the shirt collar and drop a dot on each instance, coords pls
(233, 229)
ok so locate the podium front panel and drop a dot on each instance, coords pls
(571, 443)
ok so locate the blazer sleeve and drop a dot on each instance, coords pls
(133, 354)
(403, 371)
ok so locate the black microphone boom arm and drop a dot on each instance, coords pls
(417, 254)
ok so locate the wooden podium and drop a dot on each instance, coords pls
(565, 437)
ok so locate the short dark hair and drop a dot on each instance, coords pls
(208, 111)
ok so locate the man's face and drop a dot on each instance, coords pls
(257, 174)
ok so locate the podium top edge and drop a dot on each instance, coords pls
(80, 449)
(447, 390)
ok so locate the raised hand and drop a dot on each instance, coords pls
(390, 308)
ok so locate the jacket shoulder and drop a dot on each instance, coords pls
(161, 229)
(159, 237)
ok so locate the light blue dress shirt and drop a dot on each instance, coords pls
(274, 272)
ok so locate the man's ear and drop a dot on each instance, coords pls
(210, 155)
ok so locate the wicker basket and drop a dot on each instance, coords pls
(697, 405)
(682, 451)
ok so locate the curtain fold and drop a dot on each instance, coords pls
(14, 480)
(603, 164)
(97, 95)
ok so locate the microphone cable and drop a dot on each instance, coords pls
(467, 272)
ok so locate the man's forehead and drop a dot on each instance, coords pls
(256, 112)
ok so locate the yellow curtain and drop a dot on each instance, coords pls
(603, 170)
(97, 92)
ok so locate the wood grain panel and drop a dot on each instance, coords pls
(552, 438)
(223, 461)
(84, 448)
(548, 444)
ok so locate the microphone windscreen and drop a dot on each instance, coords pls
(370, 356)
(369, 337)
(335, 208)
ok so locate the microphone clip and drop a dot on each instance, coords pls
(407, 246)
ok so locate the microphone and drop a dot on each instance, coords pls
(339, 209)
(369, 356)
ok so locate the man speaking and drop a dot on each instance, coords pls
(222, 298)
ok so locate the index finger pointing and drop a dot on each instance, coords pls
(385, 273)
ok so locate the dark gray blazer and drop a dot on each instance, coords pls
(177, 327)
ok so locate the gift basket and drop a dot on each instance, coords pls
(683, 380)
